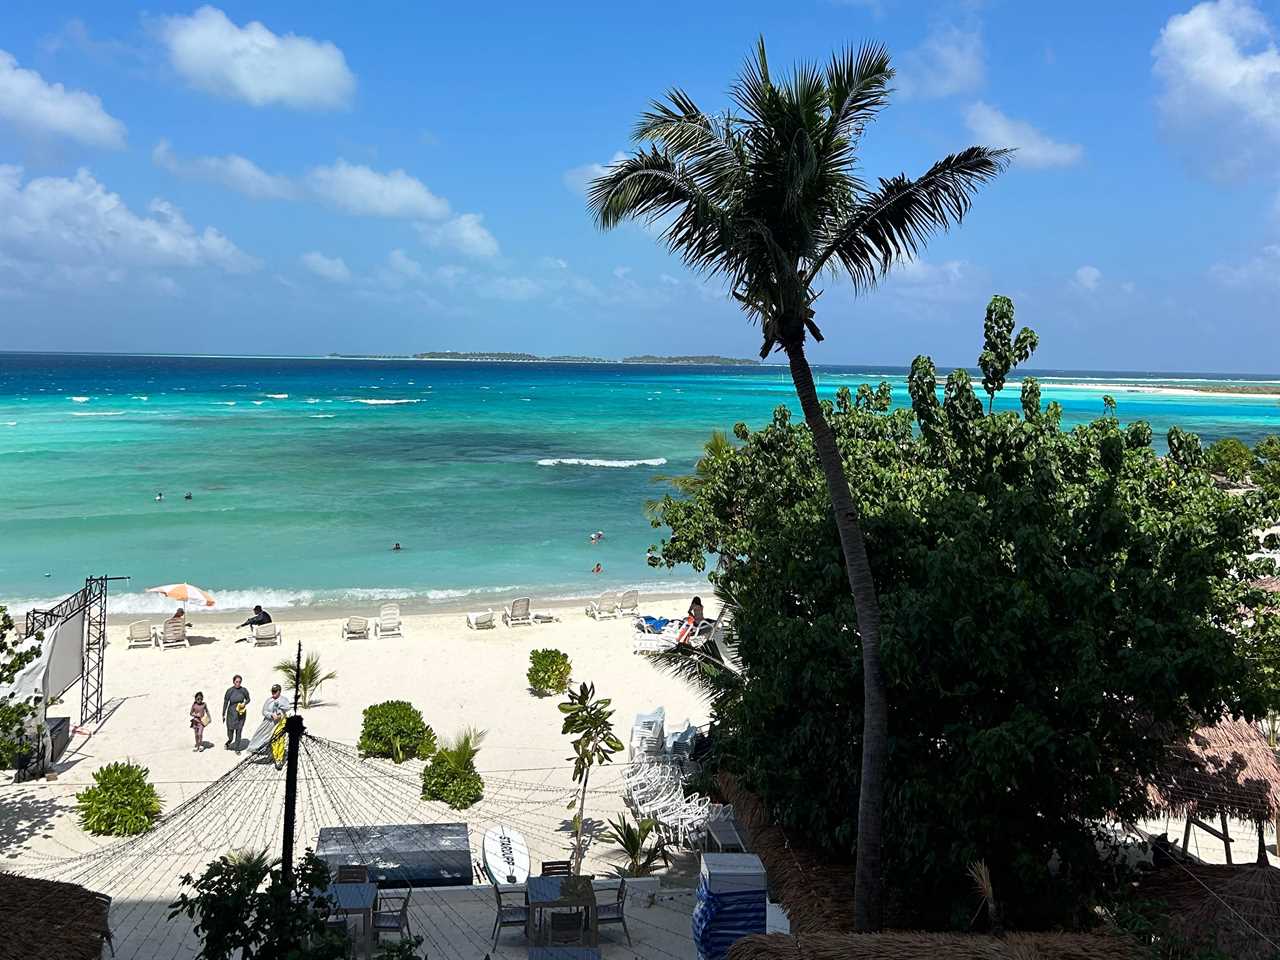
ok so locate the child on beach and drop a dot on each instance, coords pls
(199, 720)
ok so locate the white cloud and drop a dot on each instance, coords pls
(917, 271)
(358, 189)
(1088, 278)
(668, 280)
(950, 61)
(1262, 269)
(1129, 286)
(465, 233)
(404, 265)
(513, 288)
(620, 273)
(76, 228)
(578, 179)
(252, 64)
(330, 268)
(1220, 69)
(50, 109)
(1035, 149)
(232, 171)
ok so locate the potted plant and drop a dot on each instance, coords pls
(642, 860)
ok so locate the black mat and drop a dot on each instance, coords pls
(402, 854)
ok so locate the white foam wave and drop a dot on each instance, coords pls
(257, 403)
(380, 403)
(616, 464)
(140, 396)
(11, 423)
(322, 416)
(311, 400)
(98, 413)
(225, 403)
(278, 396)
(79, 399)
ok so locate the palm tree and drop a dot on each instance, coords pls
(717, 445)
(770, 198)
(308, 680)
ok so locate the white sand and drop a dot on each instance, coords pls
(456, 676)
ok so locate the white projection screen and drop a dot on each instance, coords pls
(64, 653)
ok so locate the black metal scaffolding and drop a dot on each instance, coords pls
(92, 599)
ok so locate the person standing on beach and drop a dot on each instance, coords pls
(199, 719)
(274, 712)
(235, 704)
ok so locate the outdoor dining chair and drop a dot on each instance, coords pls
(391, 915)
(615, 912)
(352, 873)
(557, 868)
(508, 915)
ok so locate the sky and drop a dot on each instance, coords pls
(298, 178)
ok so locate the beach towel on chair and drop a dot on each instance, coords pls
(652, 624)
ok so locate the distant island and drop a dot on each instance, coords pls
(506, 357)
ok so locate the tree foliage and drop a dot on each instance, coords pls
(1058, 608)
(395, 729)
(14, 714)
(1230, 457)
(451, 777)
(308, 680)
(596, 743)
(245, 910)
(121, 802)
(549, 672)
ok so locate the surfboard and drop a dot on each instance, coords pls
(506, 855)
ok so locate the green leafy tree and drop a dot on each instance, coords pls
(14, 714)
(451, 775)
(768, 197)
(121, 801)
(1059, 608)
(395, 729)
(244, 910)
(308, 680)
(549, 672)
(1001, 351)
(592, 721)
(1230, 457)
(1266, 467)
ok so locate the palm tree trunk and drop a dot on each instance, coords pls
(875, 723)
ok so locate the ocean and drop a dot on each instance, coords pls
(492, 476)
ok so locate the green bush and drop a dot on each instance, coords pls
(451, 775)
(396, 730)
(120, 803)
(1229, 458)
(549, 672)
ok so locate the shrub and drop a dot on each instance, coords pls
(451, 775)
(120, 803)
(396, 730)
(549, 672)
(1229, 458)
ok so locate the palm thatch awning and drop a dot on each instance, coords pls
(1227, 768)
(931, 946)
(46, 918)
(1233, 910)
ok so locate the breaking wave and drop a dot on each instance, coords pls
(615, 464)
(380, 403)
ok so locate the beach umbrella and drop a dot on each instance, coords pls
(184, 592)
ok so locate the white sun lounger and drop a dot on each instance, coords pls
(141, 634)
(605, 608)
(629, 602)
(481, 621)
(356, 628)
(517, 613)
(173, 633)
(388, 624)
(267, 635)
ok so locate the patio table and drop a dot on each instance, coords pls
(357, 900)
(549, 893)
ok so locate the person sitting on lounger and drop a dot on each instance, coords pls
(259, 617)
(695, 610)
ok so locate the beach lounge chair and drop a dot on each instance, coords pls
(388, 624)
(141, 634)
(481, 621)
(173, 633)
(517, 613)
(605, 608)
(356, 628)
(267, 635)
(629, 603)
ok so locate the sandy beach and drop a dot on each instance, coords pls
(457, 676)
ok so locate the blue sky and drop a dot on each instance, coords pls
(305, 178)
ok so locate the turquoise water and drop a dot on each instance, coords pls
(304, 472)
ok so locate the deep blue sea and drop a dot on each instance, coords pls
(303, 472)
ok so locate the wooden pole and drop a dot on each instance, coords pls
(293, 732)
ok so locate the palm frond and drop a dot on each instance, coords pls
(893, 223)
(712, 679)
(857, 90)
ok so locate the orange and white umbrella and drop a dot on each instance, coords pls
(184, 592)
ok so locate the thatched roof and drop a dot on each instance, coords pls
(45, 918)
(1226, 768)
(930, 946)
(1235, 910)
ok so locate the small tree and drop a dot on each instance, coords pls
(13, 714)
(1230, 458)
(451, 775)
(245, 911)
(591, 720)
(121, 801)
(308, 680)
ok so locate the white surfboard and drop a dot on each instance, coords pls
(506, 855)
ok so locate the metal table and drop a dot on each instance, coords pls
(357, 900)
(549, 893)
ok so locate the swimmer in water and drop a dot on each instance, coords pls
(395, 547)
(597, 569)
(159, 496)
(187, 495)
